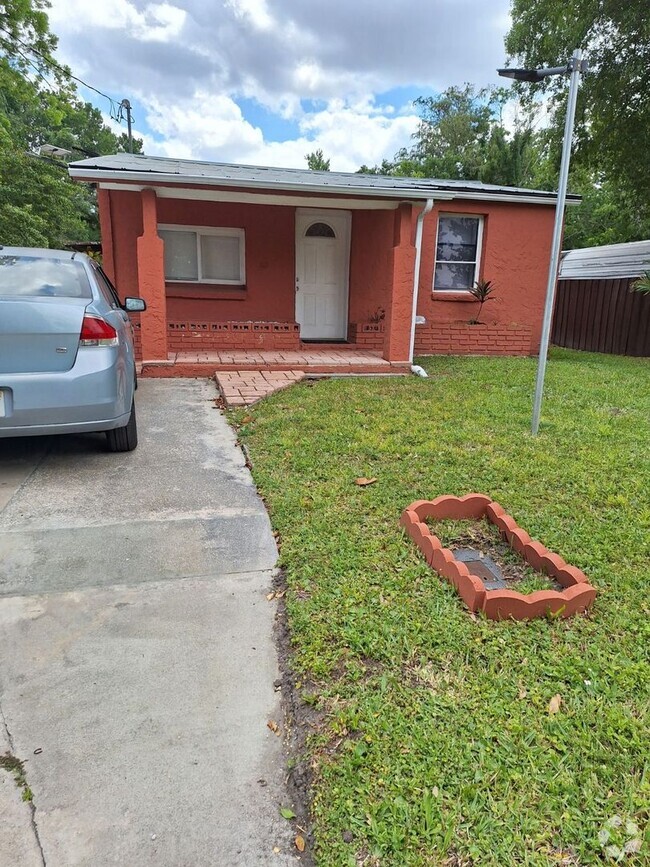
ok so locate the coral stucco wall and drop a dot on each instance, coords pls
(370, 263)
(515, 253)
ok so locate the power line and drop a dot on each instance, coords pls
(116, 108)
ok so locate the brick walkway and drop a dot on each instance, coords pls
(243, 387)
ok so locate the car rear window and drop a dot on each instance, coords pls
(41, 277)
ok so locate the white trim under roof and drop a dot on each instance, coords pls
(194, 195)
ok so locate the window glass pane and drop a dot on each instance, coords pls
(454, 276)
(180, 255)
(220, 257)
(105, 288)
(42, 277)
(457, 239)
(320, 230)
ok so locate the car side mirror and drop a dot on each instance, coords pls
(135, 305)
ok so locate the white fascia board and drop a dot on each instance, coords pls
(191, 195)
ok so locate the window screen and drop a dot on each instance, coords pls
(204, 255)
(181, 260)
(457, 252)
(220, 257)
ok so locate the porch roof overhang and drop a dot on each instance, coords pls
(212, 180)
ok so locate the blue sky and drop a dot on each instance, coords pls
(267, 81)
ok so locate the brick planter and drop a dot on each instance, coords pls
(576, 597)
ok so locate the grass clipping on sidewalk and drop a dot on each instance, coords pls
(447, 739)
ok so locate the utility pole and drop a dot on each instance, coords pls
(127, 105)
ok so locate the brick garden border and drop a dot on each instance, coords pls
(577, 596)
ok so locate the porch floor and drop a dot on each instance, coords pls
(244, 377)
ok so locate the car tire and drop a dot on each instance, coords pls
(124, 439)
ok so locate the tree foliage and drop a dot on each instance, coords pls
(39, 204)
(611, 165)
(316, 161)
(461, 136)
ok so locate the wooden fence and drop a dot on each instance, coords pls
(602, 316)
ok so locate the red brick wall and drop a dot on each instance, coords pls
(458, 338)
(204, 336)
(368, 335)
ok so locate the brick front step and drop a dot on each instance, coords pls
(207, 369)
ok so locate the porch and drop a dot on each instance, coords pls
(244, 376)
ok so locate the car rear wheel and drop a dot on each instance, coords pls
(124, 439)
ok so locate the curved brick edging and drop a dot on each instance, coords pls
(577, 596)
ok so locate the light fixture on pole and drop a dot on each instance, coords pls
(573, 68)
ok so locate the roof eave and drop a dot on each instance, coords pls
(90, 175)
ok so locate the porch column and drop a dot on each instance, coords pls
(151, 282)
(106, 232)
(402, 264)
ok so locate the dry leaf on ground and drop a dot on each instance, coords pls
(300, 843)
(363, 482)
(554, 704)
(275, 728)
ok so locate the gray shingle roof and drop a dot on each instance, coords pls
(148, 168)
(609, 261)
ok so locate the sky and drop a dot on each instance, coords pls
(265, 82)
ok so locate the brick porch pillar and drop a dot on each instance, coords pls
(151, 282)
(399, 308)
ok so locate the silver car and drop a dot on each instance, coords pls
(67, 363)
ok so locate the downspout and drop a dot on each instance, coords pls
(415, 368)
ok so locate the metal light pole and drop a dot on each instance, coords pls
(575, 66)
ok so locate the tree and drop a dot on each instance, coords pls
(39, 204)
(613, 115)
(317, 162)
(461, 136)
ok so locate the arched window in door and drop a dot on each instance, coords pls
(320, 230)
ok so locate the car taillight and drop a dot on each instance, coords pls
(95, 331)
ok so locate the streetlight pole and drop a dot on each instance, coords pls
(575, 66)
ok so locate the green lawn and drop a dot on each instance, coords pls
(437, 746)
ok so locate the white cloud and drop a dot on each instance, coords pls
(157, 22)
(186, 63)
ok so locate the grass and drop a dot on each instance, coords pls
(437, 744)
(16, 767)
(484, 536)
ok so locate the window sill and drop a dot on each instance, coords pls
(211, 291)
(452, 296)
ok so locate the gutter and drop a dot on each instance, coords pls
(415, 368)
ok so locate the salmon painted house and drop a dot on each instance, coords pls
(234, 258)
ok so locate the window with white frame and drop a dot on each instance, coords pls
(458, 252)
(200, 254)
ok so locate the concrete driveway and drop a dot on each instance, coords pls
(136, 653)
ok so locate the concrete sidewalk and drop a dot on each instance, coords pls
(136, 654)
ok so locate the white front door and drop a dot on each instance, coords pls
(322, 270)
